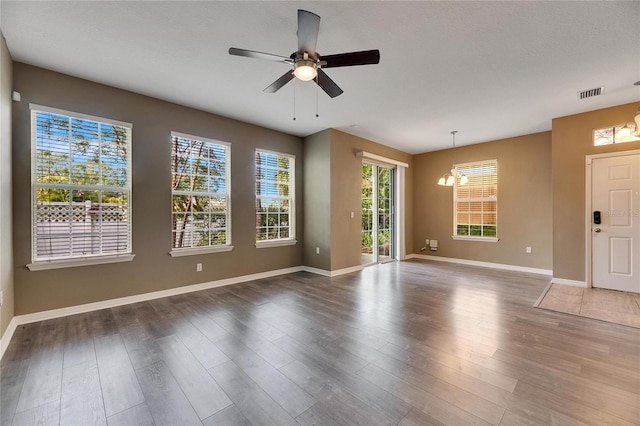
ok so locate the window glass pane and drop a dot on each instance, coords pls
(274, 196)
(619, 133)
(603, 136)
(199, 175)
(81, 187)
(52, 150)
(476, 201)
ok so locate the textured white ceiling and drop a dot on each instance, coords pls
(487, 69)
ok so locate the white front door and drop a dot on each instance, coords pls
(615, 183)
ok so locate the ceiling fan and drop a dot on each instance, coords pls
(306, 63)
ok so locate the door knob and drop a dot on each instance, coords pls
(597, 230)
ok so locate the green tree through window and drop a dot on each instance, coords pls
(200, 192)
(81, 186)
(274, 196)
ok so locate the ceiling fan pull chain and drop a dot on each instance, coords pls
(294, 101)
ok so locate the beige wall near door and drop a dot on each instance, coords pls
(346, 195)
(524, 202)
(572, 140)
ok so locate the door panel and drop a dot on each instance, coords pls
(367, 229)
(616, 241)
(621, 255)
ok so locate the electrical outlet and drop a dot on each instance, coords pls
(426, 242)
(1, 298)
(528, 250)
(317, 250)
(198, 267)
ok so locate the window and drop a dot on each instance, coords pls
(275, 204)
(201, 194)
(476, 203)
(81, 191)
(619, 133)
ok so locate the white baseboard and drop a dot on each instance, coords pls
(8, 334)
(482, 264)
(573, 283)
(88, 307)
(335, 273)
(111, 303)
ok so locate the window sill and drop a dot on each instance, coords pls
(200, 250)
(275, 243)
(81, 261)
(481, 239)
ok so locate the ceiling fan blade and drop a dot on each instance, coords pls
(327, 84)
(308, 27)
(366, 57)
(277, 85)
(258, 55)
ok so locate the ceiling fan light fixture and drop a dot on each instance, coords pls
(305, 69)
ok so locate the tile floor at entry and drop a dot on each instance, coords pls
(607, 305)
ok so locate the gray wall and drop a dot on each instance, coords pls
(333, 176)
(524, 202)
(317, 200)
(152, 269)
(6, 237)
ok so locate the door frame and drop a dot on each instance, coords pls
(588, 211)
(399, 188)
(393, 171)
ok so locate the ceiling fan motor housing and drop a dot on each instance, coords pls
(307, 63)
(305, 67)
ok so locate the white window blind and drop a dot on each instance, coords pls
(81, 185)
(275, 203)
(201, 192)
(476, 202)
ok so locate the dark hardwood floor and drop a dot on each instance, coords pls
(410, 343)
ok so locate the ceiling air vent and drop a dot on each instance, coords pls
(591, 93)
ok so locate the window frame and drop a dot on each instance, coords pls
(613, 138)
(481, 238)
(277, 242)
(211, 248)
(44, 263)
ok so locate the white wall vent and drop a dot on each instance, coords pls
(590, 93)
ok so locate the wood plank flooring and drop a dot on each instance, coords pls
(409, 343)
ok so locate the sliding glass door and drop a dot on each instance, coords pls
(378, 221)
